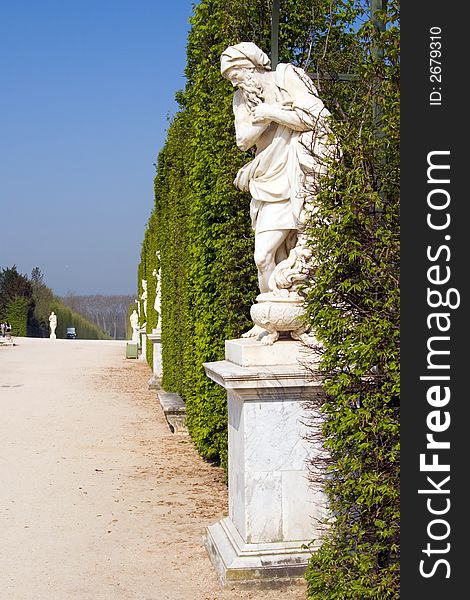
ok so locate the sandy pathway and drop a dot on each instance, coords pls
(98, 499)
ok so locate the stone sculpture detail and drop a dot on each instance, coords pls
(281, 115)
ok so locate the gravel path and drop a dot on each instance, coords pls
(98, 499)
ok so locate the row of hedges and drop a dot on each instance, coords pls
(200, 226)
(148, 267)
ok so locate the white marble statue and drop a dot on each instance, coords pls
(143, 297)
(52, 325)
(281, 115)
(157, 273)
(134, 319)
(158, 296)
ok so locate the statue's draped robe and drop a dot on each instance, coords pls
(274, 177)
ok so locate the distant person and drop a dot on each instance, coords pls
(2, 329)
(7, 329)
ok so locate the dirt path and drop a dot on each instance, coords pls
(98, 499)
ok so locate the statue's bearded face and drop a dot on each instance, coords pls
(248, 82)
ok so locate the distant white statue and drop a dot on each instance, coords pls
(158, 296)
(52, 325)
(143, 297)
(280, 114)
(157, 273)
(134, 319)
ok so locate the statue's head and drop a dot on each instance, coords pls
(242, 59)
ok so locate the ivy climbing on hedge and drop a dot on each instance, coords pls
(353, 305)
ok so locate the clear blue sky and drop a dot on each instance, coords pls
(86, 90)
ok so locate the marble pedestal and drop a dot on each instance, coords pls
(273, 510)
(156, 338)
(143, 344)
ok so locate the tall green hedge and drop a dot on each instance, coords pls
(16, 300)
(354, 309)
(17, 311)
(148, 264)
(171, 191)
(203, 230)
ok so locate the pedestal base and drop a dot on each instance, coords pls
(174, 410)
(273, 509)
(143, 346)
(268, 565)
(155, 381)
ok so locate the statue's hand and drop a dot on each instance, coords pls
(262, 112)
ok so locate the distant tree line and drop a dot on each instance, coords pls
(26, 303)
(110, 313)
